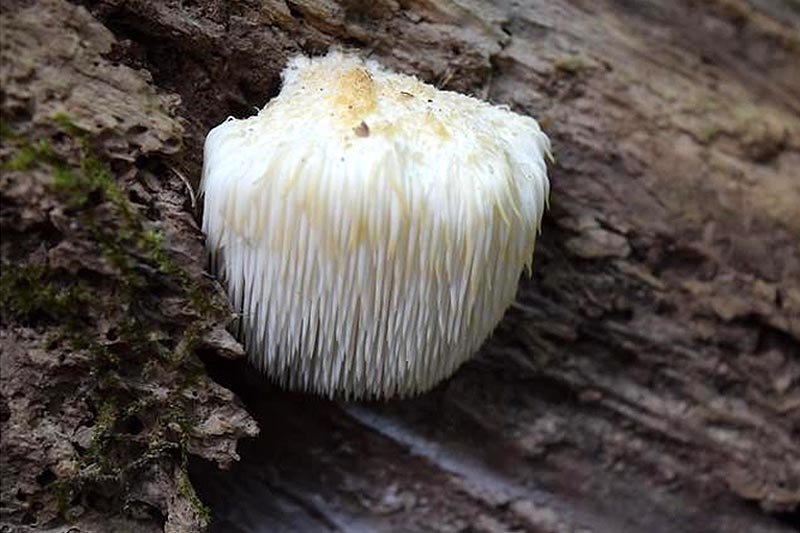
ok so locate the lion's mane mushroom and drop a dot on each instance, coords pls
(370, 229)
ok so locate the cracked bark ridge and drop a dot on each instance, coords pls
(104, 298)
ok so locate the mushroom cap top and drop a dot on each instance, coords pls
(374, 124)
(355, 183)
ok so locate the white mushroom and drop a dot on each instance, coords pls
(370, 228)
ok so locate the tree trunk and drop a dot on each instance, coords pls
(646, 379)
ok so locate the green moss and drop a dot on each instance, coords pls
(570, 65)
(92, 177)
(130, 241)
(102, 433)
(709, 133)
(138, 374)
(152, 242)
(32, 292)
(66, 124)
(65, 492)
(6, 133)
(187, 491)
(23, 159)
(28, 155)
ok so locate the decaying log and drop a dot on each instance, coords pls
(646, 379)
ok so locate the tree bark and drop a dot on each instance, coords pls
(647, 377)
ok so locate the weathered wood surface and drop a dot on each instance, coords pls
(648, 377)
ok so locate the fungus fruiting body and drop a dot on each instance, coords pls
(370, 229)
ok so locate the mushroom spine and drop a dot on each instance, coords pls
(370, 229)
